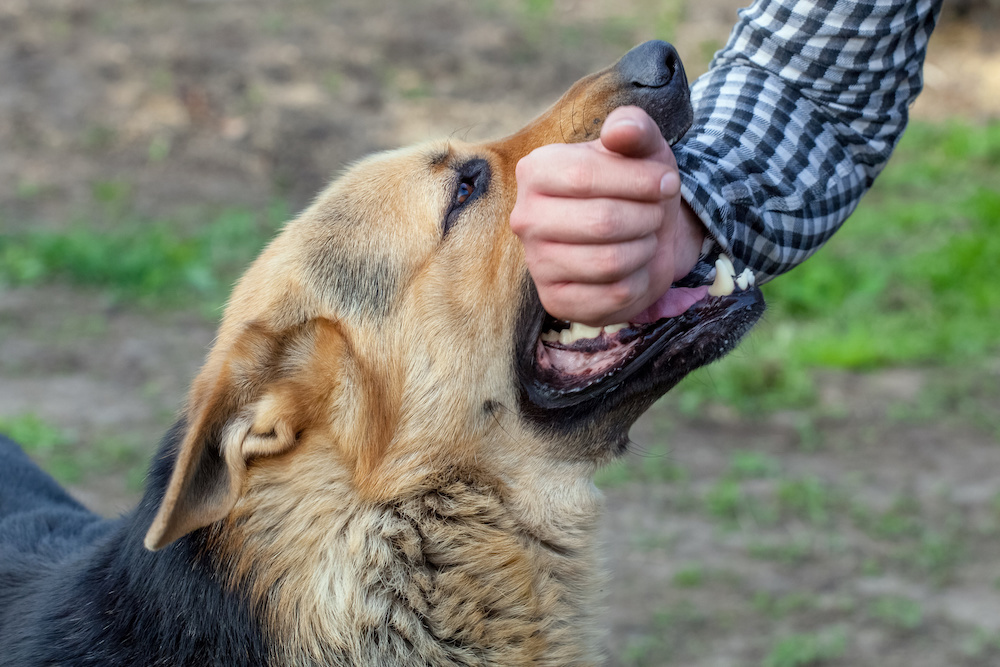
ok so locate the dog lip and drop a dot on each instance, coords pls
(674, 138)
(669, 348)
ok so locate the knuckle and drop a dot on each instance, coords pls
(610, 262)
(520, 219)
(524, 170)
(605, 223)
(621, 294)
(578, 178)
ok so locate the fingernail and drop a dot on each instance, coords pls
(624, 122)
(670, 184)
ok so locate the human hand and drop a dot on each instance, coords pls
(604, 228)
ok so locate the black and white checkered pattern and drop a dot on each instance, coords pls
(795, 119)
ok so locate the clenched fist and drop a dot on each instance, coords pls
(603, 225)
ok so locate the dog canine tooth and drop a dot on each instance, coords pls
(727, 263)
(612, 329)
(724, 284)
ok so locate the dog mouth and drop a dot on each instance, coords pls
(572, 363)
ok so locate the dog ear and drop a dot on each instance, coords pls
(249, 401)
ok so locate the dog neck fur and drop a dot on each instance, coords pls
(464, 569)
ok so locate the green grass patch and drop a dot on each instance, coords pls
(781, 606)
(806, 650)
(49, 445)
(149, 261)
(808, 498)
(68, 460)
(690, 576)
(33, 434)
(753, 465)
(898, 612)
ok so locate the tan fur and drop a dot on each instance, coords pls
(380, 494)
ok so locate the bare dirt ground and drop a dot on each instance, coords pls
(874, 541)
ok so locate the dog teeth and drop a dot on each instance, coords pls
(578, 331)
(743, 280)
(727, 263)
(726, 280)
(724, 284)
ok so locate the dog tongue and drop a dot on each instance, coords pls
(676, 301)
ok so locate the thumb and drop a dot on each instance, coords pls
(629, 131)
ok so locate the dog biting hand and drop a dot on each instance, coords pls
(387, 456)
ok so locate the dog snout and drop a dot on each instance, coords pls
(652, 77)
(652, 64)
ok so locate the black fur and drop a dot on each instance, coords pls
(80, 590)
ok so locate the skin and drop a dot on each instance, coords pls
(604, 228)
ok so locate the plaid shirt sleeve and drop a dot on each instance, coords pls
(796, 117)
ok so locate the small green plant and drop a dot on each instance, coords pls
(899, 612)
(691, 576)
(753, 465)
(779, 606)
(808, 498)
(901, 521)
(807, 650)
(725, 501)
(936, 554)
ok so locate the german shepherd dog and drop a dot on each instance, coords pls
(387, 457)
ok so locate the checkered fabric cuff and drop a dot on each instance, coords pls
(796, 117)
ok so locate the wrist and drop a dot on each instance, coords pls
(690, 234)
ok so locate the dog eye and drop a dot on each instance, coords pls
(465, 190)
(473, 183)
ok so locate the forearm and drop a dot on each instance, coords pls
(796, 118)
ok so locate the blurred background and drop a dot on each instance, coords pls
(828, 495)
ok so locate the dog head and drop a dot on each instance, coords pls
(392, 329)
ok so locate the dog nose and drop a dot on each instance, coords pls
(652, 64)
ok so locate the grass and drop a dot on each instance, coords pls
(898, 612)
(147, 261)
(67, 459)
(806, 650)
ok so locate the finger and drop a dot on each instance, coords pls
(596, 305)
(555, 263)
(587, 171)
(584, 221)
(630, 132)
